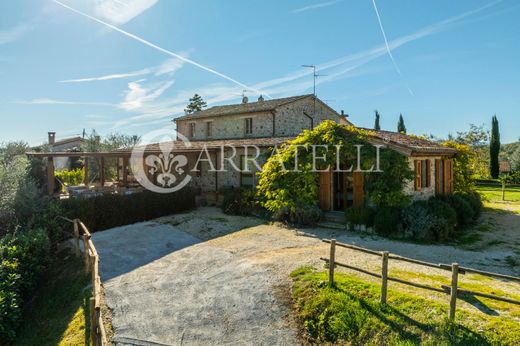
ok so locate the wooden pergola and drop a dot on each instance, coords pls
(100, 156)
(123, 155)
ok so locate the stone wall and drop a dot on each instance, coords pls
(289, 120)
(425, 192)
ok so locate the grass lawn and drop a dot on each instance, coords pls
(59, 312)
(350, 313)
(493, 193)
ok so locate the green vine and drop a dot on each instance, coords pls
(287, 180)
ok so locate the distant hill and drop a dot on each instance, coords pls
(507, 151)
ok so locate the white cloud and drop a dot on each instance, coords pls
(122, 11)
(137, 95)
(14, 33)
(156, 47)
(315, 6)
(169, 66)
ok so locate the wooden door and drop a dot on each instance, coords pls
(325, 190)
(358, 193)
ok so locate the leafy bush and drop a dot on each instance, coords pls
(386, 220)
(304, 215)
(72, 177)
(462, 207)
(420, 223)
(474, 199)
(107, 211)
(238, 201)
(360, 216)
(284, 190)
(442, 209)
(23, 257)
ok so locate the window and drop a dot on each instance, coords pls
(443, 176)
(191, 130)
(209, 129)
(249, 126)
(247, 177)
(422, 174)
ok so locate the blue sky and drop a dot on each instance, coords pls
(454, 62)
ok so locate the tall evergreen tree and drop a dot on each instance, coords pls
(494, 148)
(400, 125)
(376, 125)
(196, 104)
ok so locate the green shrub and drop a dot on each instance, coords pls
(386, 220)
(418, 222)
(360, 216)
(23, 258)
(475, 201)
(238, 201)
(304, 215)
(108, 211)
(442, 209)
(72, 177)
(465, 213)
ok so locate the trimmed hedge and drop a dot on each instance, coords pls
(108, 211)
(23, 258)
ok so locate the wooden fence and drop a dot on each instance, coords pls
(453, 290)
(91, 265)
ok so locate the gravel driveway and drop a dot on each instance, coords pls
(206, 278)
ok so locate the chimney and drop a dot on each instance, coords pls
(260, 98)
(97, 138)
(245, 99)
(343, 114)
(52, 137)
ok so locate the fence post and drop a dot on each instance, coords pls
(76, 237)
(384, 276)
(87, 253)
(332, 260)
(453, 291)
(93, 321)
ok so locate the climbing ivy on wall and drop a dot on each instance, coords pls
(288, 181)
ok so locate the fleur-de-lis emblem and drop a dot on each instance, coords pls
(164, 163)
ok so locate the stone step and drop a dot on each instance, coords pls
(335, 216)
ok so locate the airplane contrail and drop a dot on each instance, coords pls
(150, 44)
(388, 47)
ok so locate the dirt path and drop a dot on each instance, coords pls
(209, 278)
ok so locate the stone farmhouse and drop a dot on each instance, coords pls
(269, 123)
(220, 145)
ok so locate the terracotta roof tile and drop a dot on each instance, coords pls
(241, 108)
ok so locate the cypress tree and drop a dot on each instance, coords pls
(400, 125)
(376, 125)
(494, 149)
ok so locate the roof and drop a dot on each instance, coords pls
(69, 140)
(213, 144)
(241, 108)
(504, 166)
(409, 144)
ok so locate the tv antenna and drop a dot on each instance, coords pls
(314, 76)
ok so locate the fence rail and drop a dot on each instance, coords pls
(91, 265)
(453, 290)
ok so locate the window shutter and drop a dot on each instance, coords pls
(417, 164)
(437, 176)
(448, 176)
(428, 173)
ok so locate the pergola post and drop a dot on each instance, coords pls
(85, 172)
(102, 171)
(51, 179)
(125, 171)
